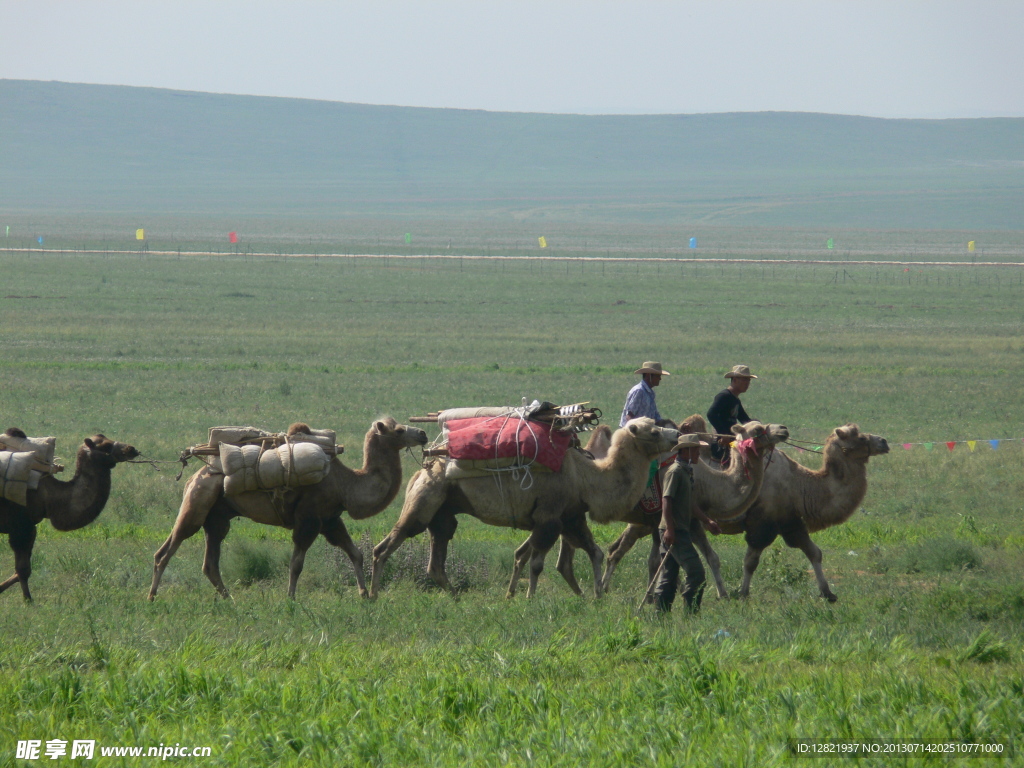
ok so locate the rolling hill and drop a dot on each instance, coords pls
(101, 149)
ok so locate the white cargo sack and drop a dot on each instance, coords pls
(250, 468)
(15, 468)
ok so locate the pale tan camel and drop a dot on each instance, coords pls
(727, 494)
(68, 505)
(307, 512)
(794, 502)
(555, 502)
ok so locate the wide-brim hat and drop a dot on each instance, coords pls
(689, 440)
(651, 367)
(740, 372)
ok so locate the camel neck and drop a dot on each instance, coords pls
(75, 503)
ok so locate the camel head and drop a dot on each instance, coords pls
(764, 436)
(105, 451)
(396, 435)
(854, 444)
(650, 439)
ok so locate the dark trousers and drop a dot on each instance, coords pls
(684, 556)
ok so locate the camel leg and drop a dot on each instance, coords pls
(579, 536)
(423, 498)
(522, 556)
(758, 540)
(336, 533)
(542, 539)
(202, 491)
(442, 530)
(305, 533)
(619, 549)
(21, 539)
(566, 554)
(653, 560)
(216, 528)
(799, 538)
(699, 537)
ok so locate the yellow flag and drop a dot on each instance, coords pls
(140, 234)
(543, 241)
(970, 247)
(971, 444)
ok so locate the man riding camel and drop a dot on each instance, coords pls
(640, 400)
(727, 410)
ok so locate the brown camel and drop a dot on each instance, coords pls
(68, 504)
(794, 502)
(725, 494)
(552, 504)
(307, 512)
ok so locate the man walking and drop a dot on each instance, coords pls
(677, 511)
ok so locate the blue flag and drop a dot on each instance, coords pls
(994, 444)
(40, 239)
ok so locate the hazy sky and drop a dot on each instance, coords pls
(927, 58)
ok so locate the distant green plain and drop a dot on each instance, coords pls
(923, 645)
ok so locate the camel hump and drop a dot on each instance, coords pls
(693, 424)
(15, 432)
(299, 427)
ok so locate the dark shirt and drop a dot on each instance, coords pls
(725, 411)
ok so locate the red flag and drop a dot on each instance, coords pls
(951, 444)
(232, 237)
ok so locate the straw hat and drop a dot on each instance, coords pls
(740, 372)
(689, 441)
(649, 367)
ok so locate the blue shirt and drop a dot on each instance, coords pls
(639, 402)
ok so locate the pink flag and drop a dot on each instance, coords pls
(908, 446)
(232, 237)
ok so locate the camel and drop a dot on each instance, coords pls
(727, 494)
(794, 502)
(555, 503)
(307, 512)
(68, 504)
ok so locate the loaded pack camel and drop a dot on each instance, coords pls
(726, 494)
(794, 502)
(307, 512)
(556, 503)
(68, 504)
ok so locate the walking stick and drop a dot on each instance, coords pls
(657, 573)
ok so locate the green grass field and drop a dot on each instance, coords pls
(153, 350)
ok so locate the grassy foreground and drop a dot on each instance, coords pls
(923, 645)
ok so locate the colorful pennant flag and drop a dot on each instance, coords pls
(829, 243)
(8, 230)
(232, 237)
(908, 446)
(693, 242)
(543, 241)
(40, 239)
(140, 234)
(971, 444)
(994, 444)
(970, 246)
(929, 446)
(951, 444)
(408, 238)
